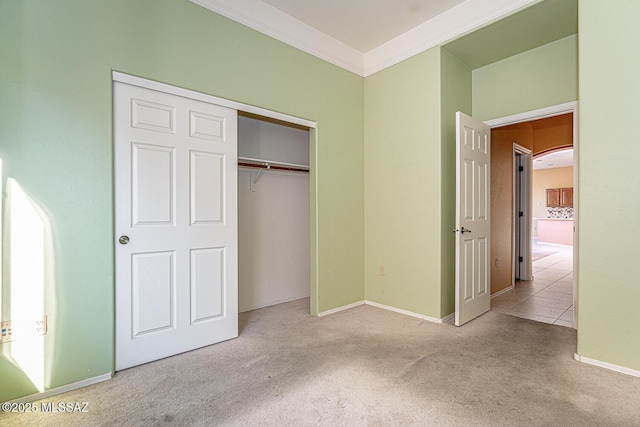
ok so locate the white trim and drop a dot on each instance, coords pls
(339, 309)
(273, 22)
(501, 291)
(542, 113)
(272, 303)
(64, 388)
(525, 200)
(576, 215)
(606, 365)
(186, 93)
(450, 318)
(386, 307)
(405, 312)
(314, 226)
(453, 23)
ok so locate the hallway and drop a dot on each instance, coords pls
(549, 297)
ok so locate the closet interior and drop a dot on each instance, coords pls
(273, 212)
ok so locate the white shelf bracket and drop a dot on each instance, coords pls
(253, 184)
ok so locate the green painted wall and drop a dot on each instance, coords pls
(609, 292)
(383, 156)
(534, 79)
(56, 141)
(402, 185)
(456, 83)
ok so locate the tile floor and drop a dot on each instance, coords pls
(549, 296)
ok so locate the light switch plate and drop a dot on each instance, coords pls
(6, 331)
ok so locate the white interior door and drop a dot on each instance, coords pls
(175, 224)
(473, 149)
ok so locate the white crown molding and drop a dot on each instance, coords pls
(268, 20)
(457, 21)
(453, 23)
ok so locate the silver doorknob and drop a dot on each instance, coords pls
(464, 230)
(123, 240)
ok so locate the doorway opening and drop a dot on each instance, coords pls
(273, 212)
(175, 152)
(542, 285)
(521, 262)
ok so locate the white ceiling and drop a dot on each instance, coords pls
(365, 36)
(363, 24)
(558, 159)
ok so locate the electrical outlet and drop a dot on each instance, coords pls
(25, 329)
(6, 331)
(41, 326)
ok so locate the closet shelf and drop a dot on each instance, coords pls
(247, 162)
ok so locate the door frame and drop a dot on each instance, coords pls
(542, 113)
(524, 194)
(118, 76)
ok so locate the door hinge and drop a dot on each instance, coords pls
(520, 259)
(521, 168)
(521, 214)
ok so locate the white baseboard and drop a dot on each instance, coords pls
(339, 309)
(63, 389)
(270, 303)
(450, 318)
(502, 291)
(406, 312)
(389, 308)
(606, 365)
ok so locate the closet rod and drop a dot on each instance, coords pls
(272, 167)
(248, 162)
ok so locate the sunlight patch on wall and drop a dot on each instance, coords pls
(1, 240)
(27, 230)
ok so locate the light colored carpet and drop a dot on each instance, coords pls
(363, 367)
